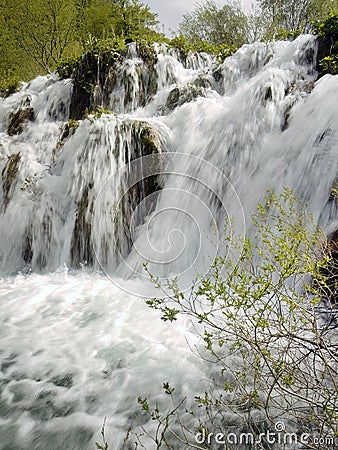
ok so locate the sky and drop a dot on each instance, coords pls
(170, 12)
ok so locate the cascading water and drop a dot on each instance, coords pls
(188, 143)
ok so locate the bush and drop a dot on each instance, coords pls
(328, 27)
(329, 64)
(267, 330)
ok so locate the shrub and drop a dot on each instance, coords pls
(329, 64)
(263, 306)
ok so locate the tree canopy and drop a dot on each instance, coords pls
(36, 35)
(295, 15)
(217, 26)
(229, 25)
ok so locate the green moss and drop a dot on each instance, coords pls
(73, 124)
(98, 113)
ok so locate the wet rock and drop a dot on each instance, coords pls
(181, 95)
(147, 53)
(9, 175)
(96, 77)
(148, 141)
(27, 247)
(18, 119)
(81, 245)
(144, 142)
(268, 94)
(90, 76)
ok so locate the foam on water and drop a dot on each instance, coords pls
(74, 349)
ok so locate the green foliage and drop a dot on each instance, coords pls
(66, 66)
(258, 309)
(328, 30)
(294, 15)
(43, 29)
(286, 35)
(66, 29)
(328, 27)
(185, 45)
(94, 47)
(9, 84)
(111, 46)
(147, 52)
(73, 124)
(329, 64)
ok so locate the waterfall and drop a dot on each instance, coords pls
(172, 146)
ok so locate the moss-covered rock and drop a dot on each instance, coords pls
(149, 141)
(96, 74)
(90, 74)
(18, 119)
(144, 141)
(183, 94)
(9, 175)
(147, 53)
(67, 130)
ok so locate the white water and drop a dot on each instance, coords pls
(106, 345)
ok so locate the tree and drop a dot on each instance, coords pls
(135, 20)
(43, 29)
(119, 18)
(37, 35)
(269, 330)
(295, 15)
(227, 25)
